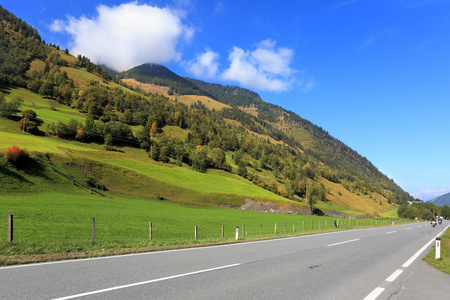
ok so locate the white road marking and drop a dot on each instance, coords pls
(394, 275)
(375, 293)
(331, 245)
(391, 232)
(409, 228)
(144, 282)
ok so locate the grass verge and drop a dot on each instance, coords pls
(442, 264)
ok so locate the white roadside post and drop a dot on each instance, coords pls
(438, 248)
(237, 233)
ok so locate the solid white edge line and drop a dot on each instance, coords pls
(394, 275)
(143, 282)
(375, 293)
(331, 245)
(414, 257)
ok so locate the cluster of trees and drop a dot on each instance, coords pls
(349, 168)
(424, 211)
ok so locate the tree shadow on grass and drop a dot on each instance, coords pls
(35, 168)
(5, 89)
(9, 173)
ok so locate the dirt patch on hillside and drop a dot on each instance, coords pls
(275, 208)
(146, 87)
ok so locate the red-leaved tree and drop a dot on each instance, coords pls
(16, 156)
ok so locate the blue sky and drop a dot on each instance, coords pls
(373, 73)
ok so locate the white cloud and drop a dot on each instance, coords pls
(127, 35)
(265, 68)
(204, 65)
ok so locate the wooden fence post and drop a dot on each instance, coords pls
(284, 228)
(303, 225)
(150, 230)
(293, 227)
(93, 229)
(275, 232)
(222, 231)
(10, 228)
(243, 230)
(312, 224)
(196, 232)
(260, 228)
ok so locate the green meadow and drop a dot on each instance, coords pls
(51, 225)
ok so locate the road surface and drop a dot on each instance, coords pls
(376, 263)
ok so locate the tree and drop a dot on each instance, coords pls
(273, 187)
(242, 169)
(238, 156)
(218, 158)
(46, 89)
(314, 194)
(199, 160)
(26, 124)
(263, 161)
(108, 142)
(153, 131)
(7, 109)
(17, 156)
(308, 170)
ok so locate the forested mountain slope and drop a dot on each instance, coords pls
(259, 143)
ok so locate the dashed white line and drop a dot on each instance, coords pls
(391, 232)
(375, 293)
(143, 282)
(394, 275)
(331, 245)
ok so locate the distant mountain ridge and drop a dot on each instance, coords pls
(442, 200)
(159, 75)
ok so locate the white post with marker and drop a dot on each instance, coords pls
(438, 248)
(237, 233)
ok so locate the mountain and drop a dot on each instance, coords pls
(160, 75)
(227, 134)
(442, 200)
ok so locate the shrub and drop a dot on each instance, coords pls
(17, 156)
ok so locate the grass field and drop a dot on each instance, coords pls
(37, 143)
(60, 224)
(443, 263)
(210, 182)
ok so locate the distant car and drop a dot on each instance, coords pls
(440, 221)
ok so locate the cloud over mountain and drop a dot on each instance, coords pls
(132, 34)
(264, 68)
(127, 35)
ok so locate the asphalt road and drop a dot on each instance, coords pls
(378, 263)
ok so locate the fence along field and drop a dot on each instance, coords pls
(55, 223)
